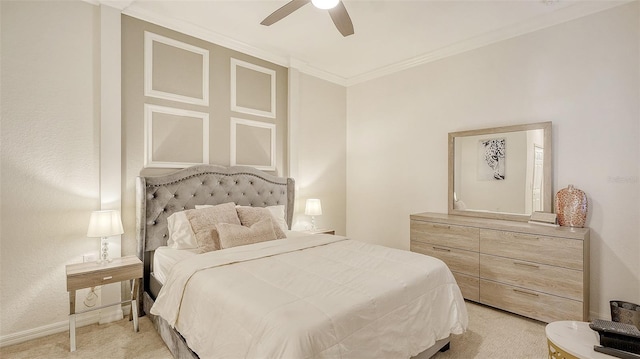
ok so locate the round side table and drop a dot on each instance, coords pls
(572, 340)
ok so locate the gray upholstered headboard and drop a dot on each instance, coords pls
(158, 197)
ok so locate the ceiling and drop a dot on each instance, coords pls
(390, 35)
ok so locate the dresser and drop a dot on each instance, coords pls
(536, 271)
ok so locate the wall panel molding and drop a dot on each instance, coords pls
(149, 39)
(271, 113)
(149, 160)
(235, 142)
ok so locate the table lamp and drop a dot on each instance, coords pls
(313, 208)
(104, 224)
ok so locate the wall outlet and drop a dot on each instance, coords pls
(92, 257)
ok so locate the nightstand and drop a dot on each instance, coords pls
(321, 231)
(92, 274)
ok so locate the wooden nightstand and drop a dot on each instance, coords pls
(321, 231)
(92, 274)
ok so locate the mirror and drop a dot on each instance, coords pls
(501, 172)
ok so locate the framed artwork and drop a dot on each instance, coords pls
(492, 155)
(253, 143)
(175, 138)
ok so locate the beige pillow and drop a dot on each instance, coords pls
(252, 215)
(233, 235)
(203, 223)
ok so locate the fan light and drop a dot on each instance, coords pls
(325, 4)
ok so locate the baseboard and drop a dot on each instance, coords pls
(81, 320)
(110, 314)
(43, 331)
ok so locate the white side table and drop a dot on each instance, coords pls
(571, 339)
(92, 274)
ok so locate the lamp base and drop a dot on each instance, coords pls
(104, 252)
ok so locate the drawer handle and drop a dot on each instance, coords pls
(442, 226)
(527, 265)
(442, 249)
(107, 278)
(523, 292)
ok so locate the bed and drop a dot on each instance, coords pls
(299, 296)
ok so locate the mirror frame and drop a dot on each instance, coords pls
(547, 166)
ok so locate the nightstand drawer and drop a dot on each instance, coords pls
(466, 238)
(101, 277)
(85, 275)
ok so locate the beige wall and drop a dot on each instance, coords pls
(582, 75)
(318, 149)
(50, 158)
(219, 109)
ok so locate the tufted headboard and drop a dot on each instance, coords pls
(158, 197)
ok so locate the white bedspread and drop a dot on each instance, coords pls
(319, 296)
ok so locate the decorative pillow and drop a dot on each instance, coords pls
(233, 235)
(251, 215)
(181, 235)
(203, 223)
(201, 206)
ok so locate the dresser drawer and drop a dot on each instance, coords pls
(561, 252)
(445, 235)
(532, 304)
(457, 260)
(539, 277)
(469, 286)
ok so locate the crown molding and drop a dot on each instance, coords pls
(569, 13)
(116, 4)
(307, 69)
(204, 34)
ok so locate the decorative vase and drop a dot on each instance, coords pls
(571, 207)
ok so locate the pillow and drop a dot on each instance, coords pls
(233, 235)
(251, 215)
(201, 206)
(181, 235)
(278, 214)
(203, 223)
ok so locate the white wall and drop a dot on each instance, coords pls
(317, 144)
(50, 158)
(582, 75)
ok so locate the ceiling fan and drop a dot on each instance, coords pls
(336, 8)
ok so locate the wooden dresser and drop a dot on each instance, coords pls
(537, 271)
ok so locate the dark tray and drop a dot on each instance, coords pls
(616, 335)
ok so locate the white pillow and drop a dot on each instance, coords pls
(278, 213)
(181, 235)
(202, 206)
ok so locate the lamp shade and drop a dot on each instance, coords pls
(313, 207)
(105, 224)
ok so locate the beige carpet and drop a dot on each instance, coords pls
(492, 334)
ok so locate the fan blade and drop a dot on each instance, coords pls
(284, 11)
(341, 18)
